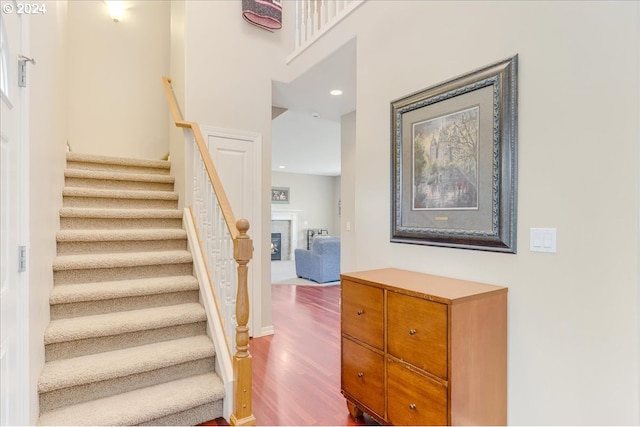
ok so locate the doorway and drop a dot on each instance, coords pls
(307, 145)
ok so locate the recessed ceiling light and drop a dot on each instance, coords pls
(336, 92)
(281, 167)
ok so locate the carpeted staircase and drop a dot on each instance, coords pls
(127, 342)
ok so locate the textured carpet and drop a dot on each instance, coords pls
(127, 341)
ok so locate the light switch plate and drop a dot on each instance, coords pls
(543, 240)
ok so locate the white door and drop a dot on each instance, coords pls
(13, 329)
(236, 156)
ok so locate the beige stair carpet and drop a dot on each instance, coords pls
(127, 342)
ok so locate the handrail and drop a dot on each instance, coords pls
(208, 163)
(242, 253)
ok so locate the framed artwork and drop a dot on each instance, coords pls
(279, 194)
(454, 162)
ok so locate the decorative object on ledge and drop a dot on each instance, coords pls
(313, 232)
(454, 162)
(266, 14)
(279, 194)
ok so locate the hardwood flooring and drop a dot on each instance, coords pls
(296, 377)
(296, 371)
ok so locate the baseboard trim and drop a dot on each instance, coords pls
(267, 330)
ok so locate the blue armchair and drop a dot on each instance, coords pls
(322, 262)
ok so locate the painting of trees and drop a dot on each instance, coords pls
(445, 161)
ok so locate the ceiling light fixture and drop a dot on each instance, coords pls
(336, 92)
(281, 167)
(116, 10)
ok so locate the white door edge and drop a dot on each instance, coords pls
(22, 401)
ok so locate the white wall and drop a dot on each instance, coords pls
(334, 226)
(177, 67)
(116, 103)
(47, 87)
(348, 192)
(314, 196)
(573, 315)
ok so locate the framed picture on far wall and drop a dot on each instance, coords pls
(454, 162)
(279, 194)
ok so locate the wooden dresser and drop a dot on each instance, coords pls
(419, 349)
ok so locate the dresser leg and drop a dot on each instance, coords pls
(354, 410)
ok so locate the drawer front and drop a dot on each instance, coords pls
(417, 332)
(414, 399)
(363, 375)
(362, 308)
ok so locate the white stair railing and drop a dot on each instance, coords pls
(315, 17)
(216, 241)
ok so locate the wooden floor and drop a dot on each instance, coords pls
(296, 371)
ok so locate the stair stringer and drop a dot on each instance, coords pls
(215, 329)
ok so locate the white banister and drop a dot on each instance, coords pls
(308, 21)
(217, 242)
(316, 20)
(315, 17)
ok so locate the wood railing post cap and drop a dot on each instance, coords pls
(243, 225)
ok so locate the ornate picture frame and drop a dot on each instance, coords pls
(454, 162)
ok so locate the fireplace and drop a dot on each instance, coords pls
(282, 228)
(285, 223)
(276, 246)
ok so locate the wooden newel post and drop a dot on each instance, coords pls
(242, 252)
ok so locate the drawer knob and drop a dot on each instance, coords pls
(360, 312)
(412, 406)
(412, 332)
(360, 374)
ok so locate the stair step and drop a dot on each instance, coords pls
(72, 337)
(84, 378)
(121, 180)
(66, 294)
(100, 261)
(120, 235)
(114, 198)
(90, 298)
(145, 405)
(74, 269)
(118, 176)
(120, 213)
(98, 159)
(119, 218)
(101, 325)
(105, 366)
(72, 241)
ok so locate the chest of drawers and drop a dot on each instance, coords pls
(419, 349)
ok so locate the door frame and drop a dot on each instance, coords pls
(20, 361)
